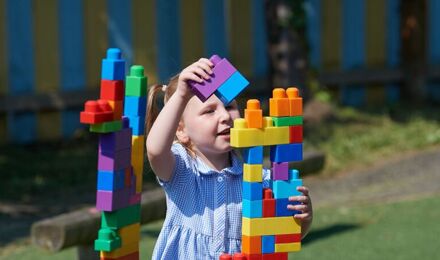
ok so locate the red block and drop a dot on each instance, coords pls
(275, 256)
(295, 134)
(239, 256)
(225, 257)
(253, 256)
(112, 90)
(268, 204)
(96, 112)
(288, 238)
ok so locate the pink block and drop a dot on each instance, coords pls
(112, 200)
(114, 160)
(280, 171)
(222, 70)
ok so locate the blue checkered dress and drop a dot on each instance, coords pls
(203, 217)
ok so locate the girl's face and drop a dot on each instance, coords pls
(207, 125)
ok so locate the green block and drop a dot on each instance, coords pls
(108, 240)
(136, 82)
(287, 121)
(122, 217)
(106, 127)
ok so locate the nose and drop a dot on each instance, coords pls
(225, 116)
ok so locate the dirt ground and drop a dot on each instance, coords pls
(407, 176)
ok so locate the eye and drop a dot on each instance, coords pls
(230, 107)
(208, 111)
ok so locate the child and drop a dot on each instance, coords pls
(189, 151)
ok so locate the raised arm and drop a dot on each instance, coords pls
(161, 135)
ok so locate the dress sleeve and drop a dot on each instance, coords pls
(182, 167)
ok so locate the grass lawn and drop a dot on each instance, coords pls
(403, 230)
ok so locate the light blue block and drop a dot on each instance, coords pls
(293, 174)
(286, 152)
(252, 190)
(137, 124)
(285, 189)
(267, 244)
(113, 67)
(111, 181)
(252, 208)
(135, 106)
(253, 155)
(231, 88)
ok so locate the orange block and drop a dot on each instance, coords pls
(118, 109)
(279, 103)
(132, 256)
(253, 114)
(295, 102)
(251, 244)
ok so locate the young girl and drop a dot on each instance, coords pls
(189, 150)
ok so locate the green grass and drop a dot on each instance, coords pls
(357, 138)
(403, 230)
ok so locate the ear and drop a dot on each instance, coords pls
(181, 134)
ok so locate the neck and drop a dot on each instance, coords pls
(217, 162)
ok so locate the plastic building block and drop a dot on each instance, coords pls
(253, 172)
(269, 204)
(130, 234)
(275, 256)
(252, 256)
(136, 82)
(270, 226)
(115, 141)
(135, 106)
(251, 244)
(275, 135)
(96, 112)
(122, 217)
(279, 103)
(111, 180)
(285, 189)
(253, 114)
(112, 89)
(231, 88)
(245, 137)
(117, 108)
(106, 127)
(222, 71)
(113, 67)
(252, 208)
(225, 256)
(287, 120)
(296, 134)
(280, 171)
(122, 251)
(286, 153)
(108, 240)
(253, 155)
(287, 247)
(112, 200)
(295, 102)
(132, 256)
(137, 124)
(114, 160)
(293, 174)
(137, 160)
(138, 145)
(288, 238)
(252, 190)
(281, 208)
(268, 244)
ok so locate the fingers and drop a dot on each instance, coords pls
(303, 190)
(301, 199)
(303, 216)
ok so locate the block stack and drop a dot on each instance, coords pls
(120, 123)
(268, 229)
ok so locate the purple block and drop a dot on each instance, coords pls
(135, 199)
(115, 141)
(114, 160)
(223, 70)
(112, 200)
(125, 122)
(280, 171)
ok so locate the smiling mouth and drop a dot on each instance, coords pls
(224, 132)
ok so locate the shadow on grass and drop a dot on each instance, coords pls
(150, 233)
(327, 232)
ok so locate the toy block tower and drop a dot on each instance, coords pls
(118, 117)
(225, 82)
(268, 229)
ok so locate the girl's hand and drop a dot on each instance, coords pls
(197, 72)
(304, 205)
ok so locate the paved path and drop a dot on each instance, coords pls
(408, 177)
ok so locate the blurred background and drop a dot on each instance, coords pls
(369, 71)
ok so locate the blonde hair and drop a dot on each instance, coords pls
(153, 106)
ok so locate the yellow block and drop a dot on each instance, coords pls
(130, 234)
(247, 137)
(270, 226)
(123, 250)
(269, 135)
(276, 135)
(137, 144)
(287, 247)
(137, 161)
(253, 172)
